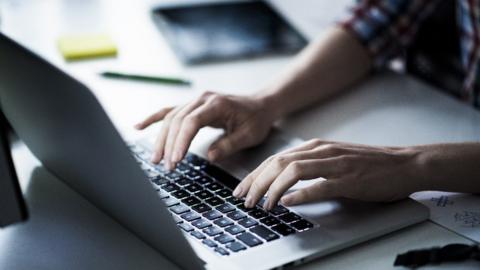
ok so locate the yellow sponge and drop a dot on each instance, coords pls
(75, 47)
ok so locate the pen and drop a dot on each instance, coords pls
(148, 78)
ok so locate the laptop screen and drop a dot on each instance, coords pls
(12, 205)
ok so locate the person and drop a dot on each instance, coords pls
(373, 35)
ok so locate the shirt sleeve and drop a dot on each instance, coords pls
(386, 27)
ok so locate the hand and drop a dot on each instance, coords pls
(352, 171)
(246, 121)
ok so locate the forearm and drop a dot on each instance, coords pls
(326, 67)
(449, 167)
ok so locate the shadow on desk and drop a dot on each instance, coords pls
(65, 231)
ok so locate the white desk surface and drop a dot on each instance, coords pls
(66, 232)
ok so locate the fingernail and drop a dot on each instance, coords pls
(266, 205)
(213, 155)
(175, 157)
(237, 191)
(249, 202)
(287, 200)
(168, 165)
(155, 157)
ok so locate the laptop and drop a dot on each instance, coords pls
(12, 205)
(187, 215)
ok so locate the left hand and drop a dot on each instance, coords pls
(366, 173)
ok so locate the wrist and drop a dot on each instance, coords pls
(420, 171)
(271, 104)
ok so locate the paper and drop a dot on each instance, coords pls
(455, 211)
(86, 46)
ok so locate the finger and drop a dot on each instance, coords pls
(192, 123)
(301, 170)
(276, 167)
(162, 136)
(229, 144)
(322, 190)
(154, 118)
(173, 131)
(242, 189)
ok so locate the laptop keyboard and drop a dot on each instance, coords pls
(199, 197)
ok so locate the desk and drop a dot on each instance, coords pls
(66, 232)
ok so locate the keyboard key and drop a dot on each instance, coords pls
(249, 239)
(177, 219)
(159, 180)
(221, 175)
(257, 213)
(193, 175)
(212, 231)
(247, 222)
(289, 217)
(189, 216)
(225, 208)
(264, 233)
(214, 201)
(162, 193)
(278, 210)
(204, 180)
(214, 186)
(190, 201)
(186, 227)
(179, 209)
(170, 201)
(224, 193)
(182, 167)
(170, 187)
(301, 225)
(173, 176)
(212, 214)
(224, 238)
(183, 181)
(235, 201)
(234, 229)
(283, 229)
(195, 160)
(209, 243)
(204, 194)
(270, 221)
(236, 215)
(180, 194)
(235, 246)
(223, 222)
(201, 223)
(200, 208)
(193, 188)
(221, 251)
(198, 235)
(244, 209)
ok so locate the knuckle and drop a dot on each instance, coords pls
(315, 141)
(169, 116)
(295, 169)
(206, 94)
(280, 161)
(255, 187)
(331, 149)
(192, 120)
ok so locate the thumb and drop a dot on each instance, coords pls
(227, 145)
(323, 190)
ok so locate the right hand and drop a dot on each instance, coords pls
(245, 120)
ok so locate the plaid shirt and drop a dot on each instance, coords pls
(387, 27)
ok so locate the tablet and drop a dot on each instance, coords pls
(224, 31)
